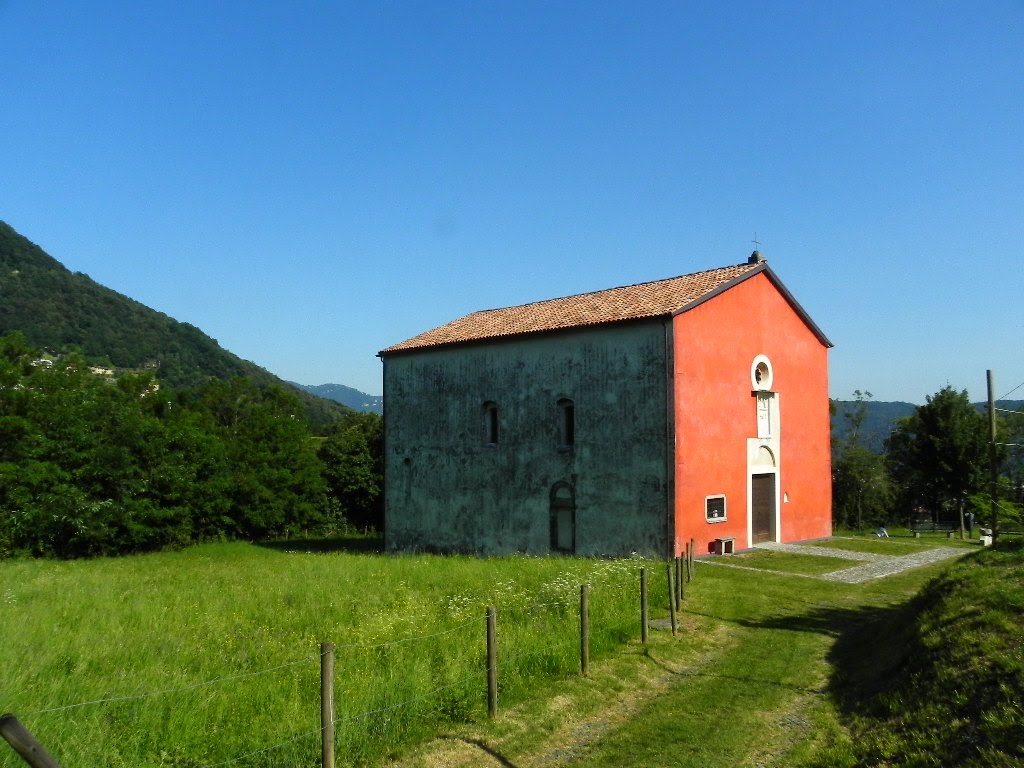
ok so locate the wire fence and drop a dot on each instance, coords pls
(612, 618)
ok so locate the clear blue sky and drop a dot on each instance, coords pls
(311, 182)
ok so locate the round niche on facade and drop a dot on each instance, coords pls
(761, 374)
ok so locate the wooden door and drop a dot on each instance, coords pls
(762, 507)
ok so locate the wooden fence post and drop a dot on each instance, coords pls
(25, 744)
(681, 579)
(671, 597)
(693, 551)
(492, 662)
(679, 584)
(327, 705)
(643, 606)
(585, 629)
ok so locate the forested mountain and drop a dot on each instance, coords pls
(61, 311)
(880, 419)
(353, 398)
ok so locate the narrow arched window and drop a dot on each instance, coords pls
(566, 423)
(490, 423)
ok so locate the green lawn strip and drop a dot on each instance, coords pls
(716, 715)
(550, 725)
(892, 546)
(786, 562)
(747, 700)
(899, 540)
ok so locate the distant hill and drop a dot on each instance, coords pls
(339, 393)
(880, 419)
(60, 311)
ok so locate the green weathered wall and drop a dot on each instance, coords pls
(446, 490)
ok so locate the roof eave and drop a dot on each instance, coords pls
(523, 334)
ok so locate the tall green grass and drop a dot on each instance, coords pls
(211, 656)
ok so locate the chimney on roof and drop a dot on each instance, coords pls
(756, 258)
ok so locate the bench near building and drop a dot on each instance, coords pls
(627, 420)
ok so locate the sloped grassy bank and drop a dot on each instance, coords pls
(939, 681)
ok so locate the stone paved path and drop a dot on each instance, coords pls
(874, 566)
(892, 565)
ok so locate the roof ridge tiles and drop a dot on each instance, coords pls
(607, 290)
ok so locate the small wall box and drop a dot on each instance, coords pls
(726, 545)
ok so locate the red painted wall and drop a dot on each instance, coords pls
(715, 345)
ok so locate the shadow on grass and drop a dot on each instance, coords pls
(483, 747)
(873, 647)
(357, 544)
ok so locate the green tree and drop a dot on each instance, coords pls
(352, 456)
(862, 491)
(90, 466)
(276, 483)
(940, 454)
(95, 465)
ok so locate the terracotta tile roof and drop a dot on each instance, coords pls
(630, 302)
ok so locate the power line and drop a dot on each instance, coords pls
(1011, 391)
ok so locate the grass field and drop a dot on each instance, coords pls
(143, 634)
(767, 670)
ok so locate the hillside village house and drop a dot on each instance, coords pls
(627, 420)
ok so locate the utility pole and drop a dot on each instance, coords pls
(992, 455)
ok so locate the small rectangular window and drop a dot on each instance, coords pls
(491, 423)
(714, 508)
(567, 423)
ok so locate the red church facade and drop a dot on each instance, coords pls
(750, 405)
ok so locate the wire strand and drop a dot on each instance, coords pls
(1011, 391)
(243, 675)
(304, 734)
(183, 689)
(411, 639)
(295, 737)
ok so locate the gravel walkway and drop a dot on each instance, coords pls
(874, 566)
(888, 566)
